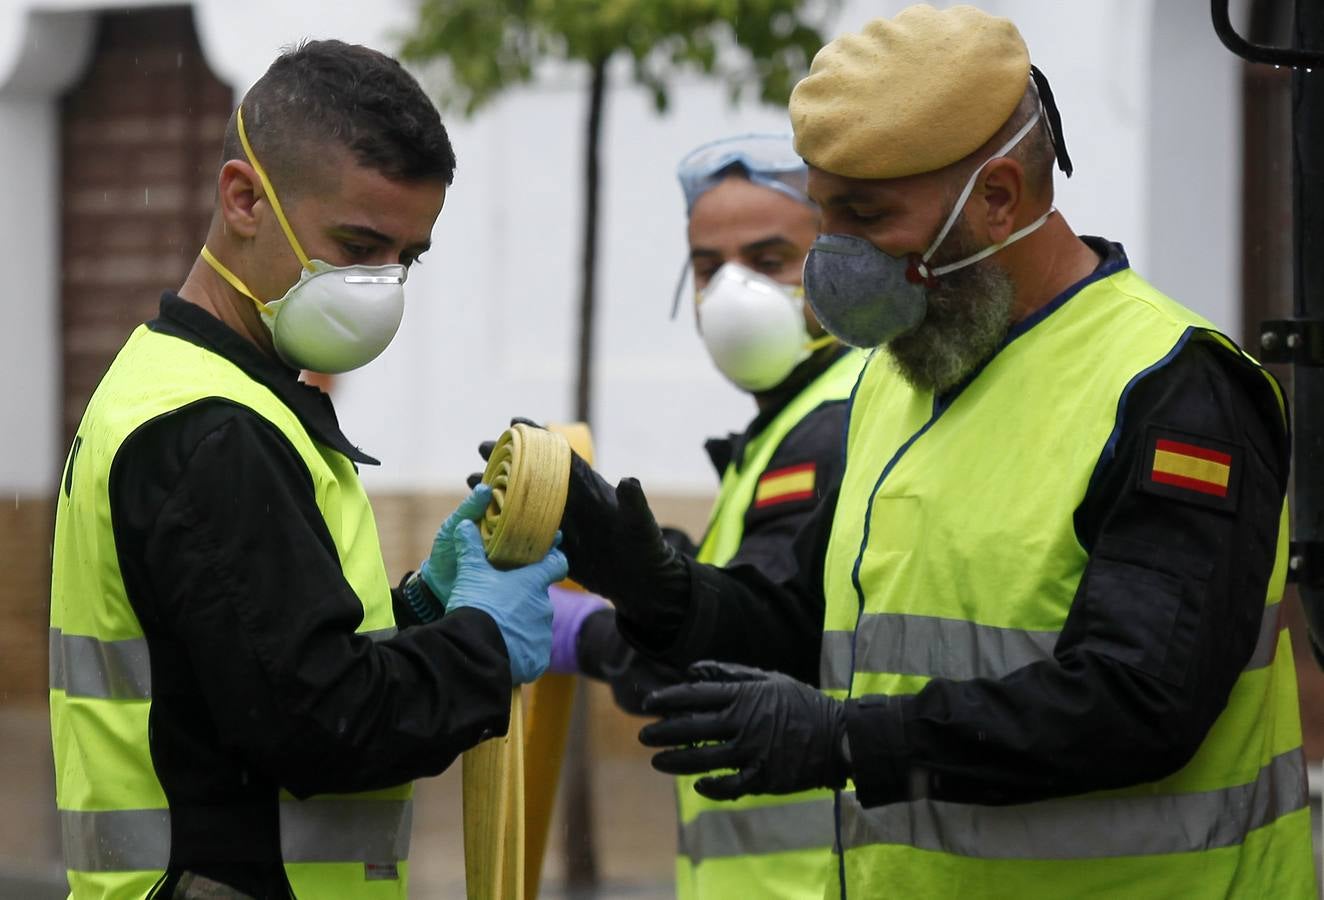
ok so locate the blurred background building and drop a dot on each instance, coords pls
(111, 116)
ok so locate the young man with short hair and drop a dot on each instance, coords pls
(238, 700)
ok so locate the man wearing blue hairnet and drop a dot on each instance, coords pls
(750, 226)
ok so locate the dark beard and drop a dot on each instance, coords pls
(969, 315)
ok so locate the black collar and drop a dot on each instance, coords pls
(723, 451)
(311, 407)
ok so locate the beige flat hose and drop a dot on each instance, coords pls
(547, 725)
(529, 471)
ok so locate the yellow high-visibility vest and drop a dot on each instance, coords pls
(953, 554)
(114, 815)
(766, 847)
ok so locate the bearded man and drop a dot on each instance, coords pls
(1051, 661)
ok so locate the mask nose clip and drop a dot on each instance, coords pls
(374, 279)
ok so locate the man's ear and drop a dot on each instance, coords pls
(1002, 190)
(239, 189)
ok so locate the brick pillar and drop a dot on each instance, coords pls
(141, 141)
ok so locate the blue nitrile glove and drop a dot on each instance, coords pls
(438, 570)
(516, 599)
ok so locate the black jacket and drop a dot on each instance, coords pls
(768, 535)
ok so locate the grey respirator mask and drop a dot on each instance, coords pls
(866, 297)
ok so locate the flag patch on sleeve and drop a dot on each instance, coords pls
(785, 485)
(1192, 468)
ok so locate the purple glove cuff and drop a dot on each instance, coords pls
(569, 610)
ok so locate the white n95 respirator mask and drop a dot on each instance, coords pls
(754, 327)
(334, 318)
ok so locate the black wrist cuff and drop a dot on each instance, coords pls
(880, 762)
(599, 648)
(654, 623)
(841, 758)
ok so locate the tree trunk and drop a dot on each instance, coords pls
(581, 864)
(588, 269)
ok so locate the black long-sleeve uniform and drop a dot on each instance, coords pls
(258, 679)
(1140, 670)
(768, 530)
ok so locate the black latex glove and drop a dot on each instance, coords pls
(779, 734)
(680, 541)
(614, 544)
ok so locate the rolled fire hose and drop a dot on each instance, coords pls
(529, 471)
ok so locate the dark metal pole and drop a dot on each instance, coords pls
(1308, 306)
(1300, 339)
(1302, 54)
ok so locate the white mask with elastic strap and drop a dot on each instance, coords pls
(334, 318)
(754, 327)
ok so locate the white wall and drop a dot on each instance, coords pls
(489, 330)
(29, 457)
(37, 59)
(496, 336)
(1194, 164)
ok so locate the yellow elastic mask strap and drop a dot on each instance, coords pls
(819, 343)
(223, 271)
(271, 194)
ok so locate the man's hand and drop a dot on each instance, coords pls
(631, 675)
(613, 543)
(570, 608)
(438, 570)
(780, 735)
(603, 653)
(516, 599)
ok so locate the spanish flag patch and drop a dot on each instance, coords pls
(785, 485)
(1192, 468)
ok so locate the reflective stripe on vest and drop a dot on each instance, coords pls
(83, 666)
(765, 847)
(345, 829)
(113, 809)
(748, 831)
(960, 650)
(115, 840)
(1118, 825)
(319, 829)
(953, 555)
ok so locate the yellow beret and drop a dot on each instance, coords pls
(910, 94)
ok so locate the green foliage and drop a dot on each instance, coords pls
(490, 45)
